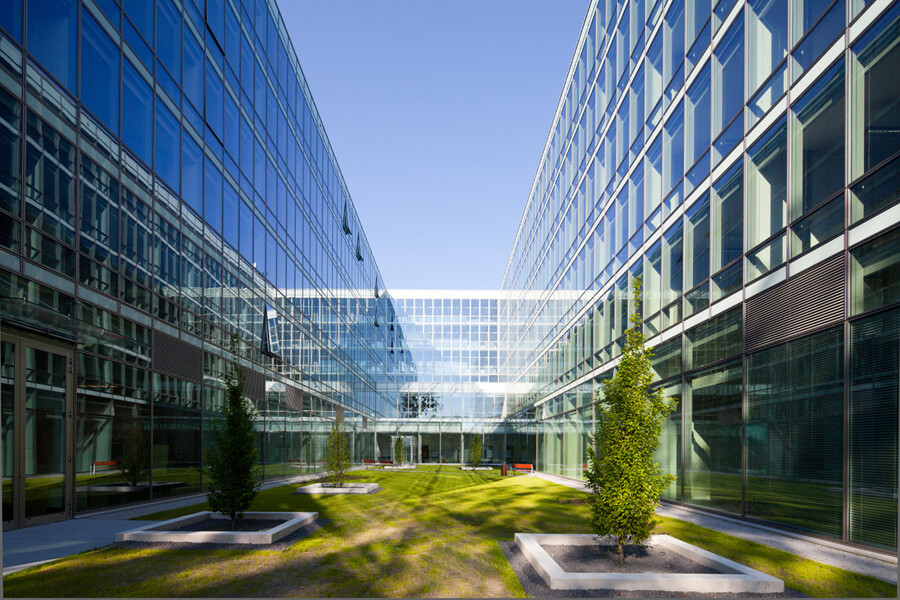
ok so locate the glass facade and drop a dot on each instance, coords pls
(166, 182)
(741, 156)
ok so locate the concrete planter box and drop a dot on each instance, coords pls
(164, 531)
(732, 577)
(349, 488)
(399, 467)
(476, 468)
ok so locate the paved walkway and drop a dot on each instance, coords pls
(31, 546)
(825, 551)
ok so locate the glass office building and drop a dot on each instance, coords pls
(166, 183)
(451, 390)
(743, 158)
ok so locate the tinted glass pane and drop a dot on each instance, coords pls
(696, 260)
(192, 78)
(818, 144)
(168, 134)
(214, 99)
(697, 115)
(728, 77)
(11, 18)
(192, 173)
(728, 218)
(53, 37)
(140, 12)
(230, 212)
(99, 72)
(875, 273)
(212, 196)
(795, 435)
(767, 185)
(137, 113)
(168, 36)
(767, 39)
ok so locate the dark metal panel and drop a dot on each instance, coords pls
(176, 357)
(811, 300)
(255, 384)
(293, 397)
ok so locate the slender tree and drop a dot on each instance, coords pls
(134, 457)
(398, 450)
(232, 470)
(475, 451)
(337, 454)
(624, 481)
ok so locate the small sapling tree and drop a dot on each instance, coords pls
(232, 472)
(398, 450)
(337, 454)
(624, 481)
(475, 451)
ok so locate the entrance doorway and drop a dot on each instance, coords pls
(36, 402)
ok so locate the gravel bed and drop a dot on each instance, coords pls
(638, 559)
(282, 544)
(536, 588)
(225, 525)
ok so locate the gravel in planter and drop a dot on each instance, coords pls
(282, 544)
(535, 587)
(638, 559)
(225, 525)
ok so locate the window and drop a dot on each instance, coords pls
(10, 152)
(728, 77)
(212, 196)
(192, 173)
(192, 78)
(672, 274)
(168, 37)
(673, 148)
(53, 38)
(818, 143)
(696, 241)
(11, 19)
(214, 100)
(875, 273)
(728, 218)
(696, 109)
(767, 39)
(875, 94)
(767, 185)
(674, 28)
(137, 113)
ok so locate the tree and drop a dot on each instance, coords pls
(337, 454)
(231, 469)
(624, 481)
(134, 459)
(398, 450)
(475, 451)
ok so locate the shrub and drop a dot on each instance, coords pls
(337, 454)
(624, 481)
(475, 451)
(232, 473)
(398, 450)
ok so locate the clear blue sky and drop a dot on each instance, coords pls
(438, 113)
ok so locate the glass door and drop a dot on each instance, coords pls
(36, 388)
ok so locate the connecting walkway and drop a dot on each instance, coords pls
(859, 560)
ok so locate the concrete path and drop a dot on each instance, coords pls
(31, 546)
(828, 552)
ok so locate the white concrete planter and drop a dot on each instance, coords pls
(349, 488)
(164, 531)
(732, 577)
(476, 468)
(406, 467)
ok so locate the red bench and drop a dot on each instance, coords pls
(523, 467)
(367, 463)
(110, 464)
(385, 462)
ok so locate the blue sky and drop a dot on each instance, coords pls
(438, 113)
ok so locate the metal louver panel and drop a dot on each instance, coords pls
(176, 357)
(254, 384)
(811, 300)
(293, 398)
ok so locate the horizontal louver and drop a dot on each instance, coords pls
(177, 358)
(811, 300)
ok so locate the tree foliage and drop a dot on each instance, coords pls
(337, 454)
(232, 472)
(475, 451)
(624, 481)
(398, 450)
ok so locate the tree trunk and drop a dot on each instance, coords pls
(621, 553)
(233, 521)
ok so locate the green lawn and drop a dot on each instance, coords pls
(431, 532)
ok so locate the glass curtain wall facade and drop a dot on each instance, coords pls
(741, 157)
(452, 390)
(166, 183)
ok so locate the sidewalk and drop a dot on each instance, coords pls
(828, 552)
(31, 546)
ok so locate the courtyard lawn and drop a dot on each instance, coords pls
(431, 532)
